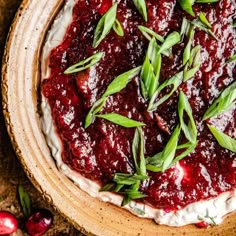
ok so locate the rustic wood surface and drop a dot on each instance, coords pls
(11, 172)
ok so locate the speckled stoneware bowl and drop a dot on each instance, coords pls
(21, 76)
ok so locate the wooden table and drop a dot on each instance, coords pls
(11, 173)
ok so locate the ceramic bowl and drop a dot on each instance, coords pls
(20, 89)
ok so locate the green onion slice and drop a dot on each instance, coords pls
(189, 129)
(223, 103)
(121, 120)
(171, 40)
(149, 34)
(97, 106)
(194, 63)
(151, 68)
(232, 59)
(174, 81)
(121, 81)
(115, 86)
(85, 64)
(168, 154)
(104, 25)
(224, 140)
(187, 5)
(117, 27)
(142, 8)
(204, 20)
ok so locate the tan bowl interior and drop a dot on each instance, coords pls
(21, 76)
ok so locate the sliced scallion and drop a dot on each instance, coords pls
(120, 120)
(174, 81)
(189, 129)
(142, 8)
(224, 140)
(104, 25)
(117, 27)
(223, 103)
(85, 64)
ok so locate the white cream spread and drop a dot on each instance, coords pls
(211, 211)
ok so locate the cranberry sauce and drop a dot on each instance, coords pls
(105, 148)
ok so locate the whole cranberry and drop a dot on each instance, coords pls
(39, 222)
(8, 223)
(202, 224)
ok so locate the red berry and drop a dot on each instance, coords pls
(8, 223)
(202, 224)
(39, 222)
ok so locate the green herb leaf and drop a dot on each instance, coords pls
(118, 28)
(134, 194)
(204, 20)
(190, 148)
(224, 140)
(128, 184)
(194, 63)
(138, 152)
(121, 120)
(128, 179)
(85, 64)
(115, 86)
(174, 81)
(201, 26)
(142, 8)
(151, 68)
(108, 187)
(185, 27)
(153, 168)
(97, 106)
(149, 34)
(155, 160)
(24, 201)
(189, 129)
(186, 5)
(187, 50)
(232, 59)
(234, 24)
(104, 25)
(172, 39)
(121, 81)
(168, 154)
(223, 103)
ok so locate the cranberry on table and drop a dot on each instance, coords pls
(39, 222)
(8, 223)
